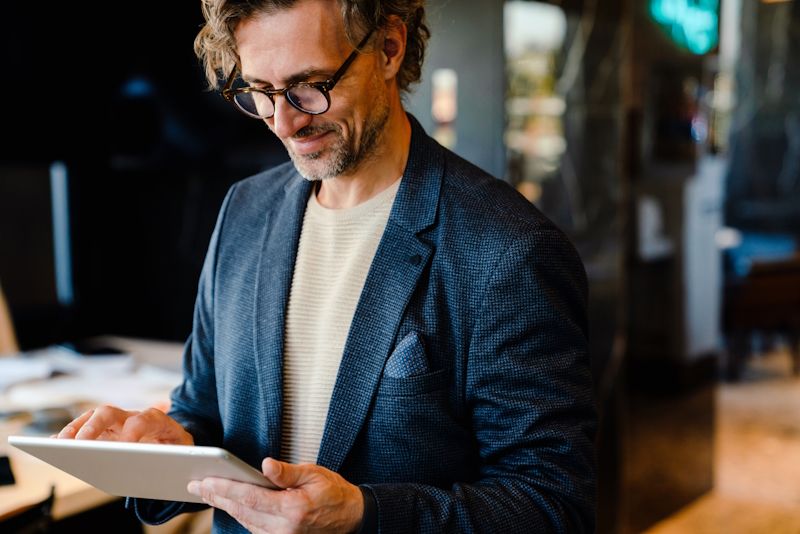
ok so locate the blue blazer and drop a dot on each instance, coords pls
(463, 401)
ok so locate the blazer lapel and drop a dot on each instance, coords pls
(401, 258)
(282, 228)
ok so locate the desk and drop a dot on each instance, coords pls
(34, 477)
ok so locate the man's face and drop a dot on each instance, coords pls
(307, 43)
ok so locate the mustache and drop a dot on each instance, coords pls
(308, 131)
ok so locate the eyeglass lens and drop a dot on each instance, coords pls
(306, 98)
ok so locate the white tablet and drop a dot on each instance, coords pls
(147, 470)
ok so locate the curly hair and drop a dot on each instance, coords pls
(216, 48)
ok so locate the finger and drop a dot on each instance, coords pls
(140, 427)
(286, 475)
(252, 519)
(153, 426)
(69, 431)
(104, 421)
(248, 495)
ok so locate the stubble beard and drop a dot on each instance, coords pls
(344, 155)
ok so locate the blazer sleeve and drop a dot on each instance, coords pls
(529, 395)
(194, 403)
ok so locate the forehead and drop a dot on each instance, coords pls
(274, 46)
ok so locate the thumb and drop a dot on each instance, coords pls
(282, 474)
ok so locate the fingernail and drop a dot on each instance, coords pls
(193, 487)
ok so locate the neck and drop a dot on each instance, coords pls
(375, 174)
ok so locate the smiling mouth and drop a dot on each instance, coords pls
(310, 136)
(311, 143)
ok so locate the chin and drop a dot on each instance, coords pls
(312, 167)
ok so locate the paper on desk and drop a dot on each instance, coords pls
(144, 388)
(15, 370)
(68, 362)
(62, 360)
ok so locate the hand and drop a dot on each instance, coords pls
(110, 423)
(313, 499)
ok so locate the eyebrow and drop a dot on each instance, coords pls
(294, 78)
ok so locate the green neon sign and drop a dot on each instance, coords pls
(691, 24)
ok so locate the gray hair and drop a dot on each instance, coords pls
(216, 47)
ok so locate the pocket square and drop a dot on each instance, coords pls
(408, 358)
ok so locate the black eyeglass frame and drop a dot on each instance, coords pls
(325, 87)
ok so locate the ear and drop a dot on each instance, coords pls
(394, 46)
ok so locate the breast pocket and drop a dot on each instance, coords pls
(415, 385)
(407, 371)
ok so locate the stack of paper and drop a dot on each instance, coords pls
(15, 370)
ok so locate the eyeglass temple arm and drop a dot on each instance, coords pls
(226, 90)
(338, 74)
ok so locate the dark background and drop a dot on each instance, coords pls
(150, 153)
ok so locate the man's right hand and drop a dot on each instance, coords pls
(110, 423)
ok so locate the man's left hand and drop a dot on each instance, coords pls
(312, 499)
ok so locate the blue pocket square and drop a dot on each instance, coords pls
(408, 358)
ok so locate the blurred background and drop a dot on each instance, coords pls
(663, 136)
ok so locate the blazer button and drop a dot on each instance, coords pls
(416, 259)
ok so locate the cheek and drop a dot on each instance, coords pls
(372, 97)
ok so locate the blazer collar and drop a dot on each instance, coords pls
(281, 231)
(400, 260)
(418, 197)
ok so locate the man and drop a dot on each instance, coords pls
(398, 339)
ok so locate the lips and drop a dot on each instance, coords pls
(310, 144)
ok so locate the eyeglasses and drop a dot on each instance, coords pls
(309, 97)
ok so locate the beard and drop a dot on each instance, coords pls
(345, 154)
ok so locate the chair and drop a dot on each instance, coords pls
(767, 299)
(34, 519)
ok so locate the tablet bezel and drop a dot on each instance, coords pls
(145, 470)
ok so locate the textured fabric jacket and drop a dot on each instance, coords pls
(463, 401)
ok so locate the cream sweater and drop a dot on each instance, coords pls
(333, 258)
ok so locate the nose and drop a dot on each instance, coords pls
(287, 120)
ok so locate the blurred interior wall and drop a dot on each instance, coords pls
(467, 37)
(763, 186)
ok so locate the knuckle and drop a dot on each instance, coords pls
(237, 509)
(140, 416)
(207, 495)
(151, 413)
(250, 499)
(135, 422)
